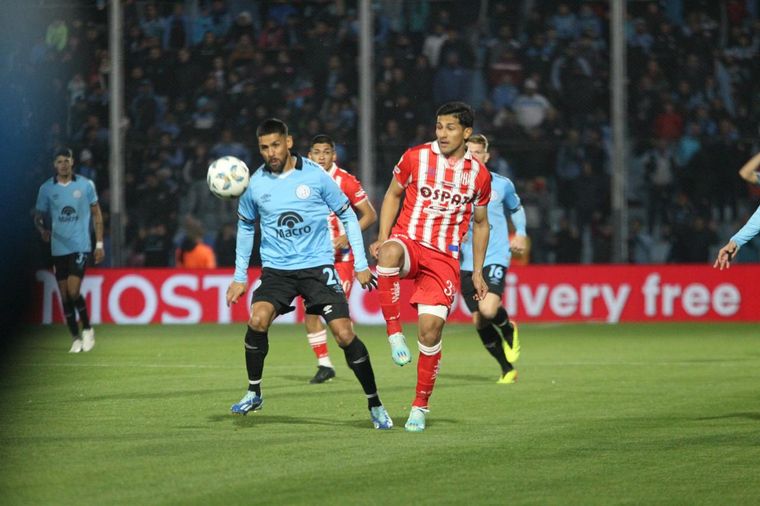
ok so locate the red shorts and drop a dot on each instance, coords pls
(435, 275)
(346, 274)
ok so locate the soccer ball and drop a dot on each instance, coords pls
(227, 177)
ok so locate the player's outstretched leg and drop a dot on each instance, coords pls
(389, 292)
(495, 347)
(357, 358)
(508, 329)
(256, 349)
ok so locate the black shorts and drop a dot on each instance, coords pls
(320, 288)
(494, 274)
(72, 264)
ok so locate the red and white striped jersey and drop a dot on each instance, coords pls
(352, 188)
(439, 198)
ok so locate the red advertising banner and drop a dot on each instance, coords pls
(532, 294)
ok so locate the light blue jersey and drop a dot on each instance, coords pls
(749, 230)
(502, 195)
(68, 207)
(292, 209)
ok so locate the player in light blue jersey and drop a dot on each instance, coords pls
(291, 197)
(67, 202)
(489, 315)
(750, 172)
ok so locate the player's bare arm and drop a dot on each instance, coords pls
(388, 213)
(97, 221)
(748, 172)
(234, 291)
(39, 223)
(480, 233)
(367, 217)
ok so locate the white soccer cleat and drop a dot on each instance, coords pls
(88, 339)
(76, 346)
(399, 350)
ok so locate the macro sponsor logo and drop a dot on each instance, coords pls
(288, 225)
(68, 214)
(442, 196)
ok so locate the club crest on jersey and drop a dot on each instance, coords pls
(494, 195)
(303, 191)
(443, 196)
(77, 194)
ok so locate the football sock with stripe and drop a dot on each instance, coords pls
(357, 358)
(256, 349)
(389, 292)
(427, 372)
(318, 343)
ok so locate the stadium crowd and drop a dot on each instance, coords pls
(201, 74)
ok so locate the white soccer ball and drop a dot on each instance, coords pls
(227, 177)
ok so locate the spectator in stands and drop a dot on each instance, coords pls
(193, 253)
(531, 108)
(177, 29)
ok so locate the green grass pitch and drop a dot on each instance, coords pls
(626, 414)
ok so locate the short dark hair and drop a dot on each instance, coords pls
(322, 139)
(272, 126)
(63, 152)
(463, 112)
(479, 139)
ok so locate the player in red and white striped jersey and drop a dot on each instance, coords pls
(443, 185)
(322, 151)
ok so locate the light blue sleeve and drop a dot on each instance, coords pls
(247, 215)
(749, 230)
(354, 233)
(513, 203)
(519, 220)
(92, 194)
(338, 203)
(42, 205)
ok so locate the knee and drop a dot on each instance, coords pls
(487, 313)
(430, 336)
(391, 254)
(258, 322)
(343, 332)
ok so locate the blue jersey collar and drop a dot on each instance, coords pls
(55, 178)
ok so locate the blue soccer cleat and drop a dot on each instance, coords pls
(380, 418)
(416, 420)
(399, 350)
(249, 402)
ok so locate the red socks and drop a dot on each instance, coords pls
(389, 291)
(427, 371)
